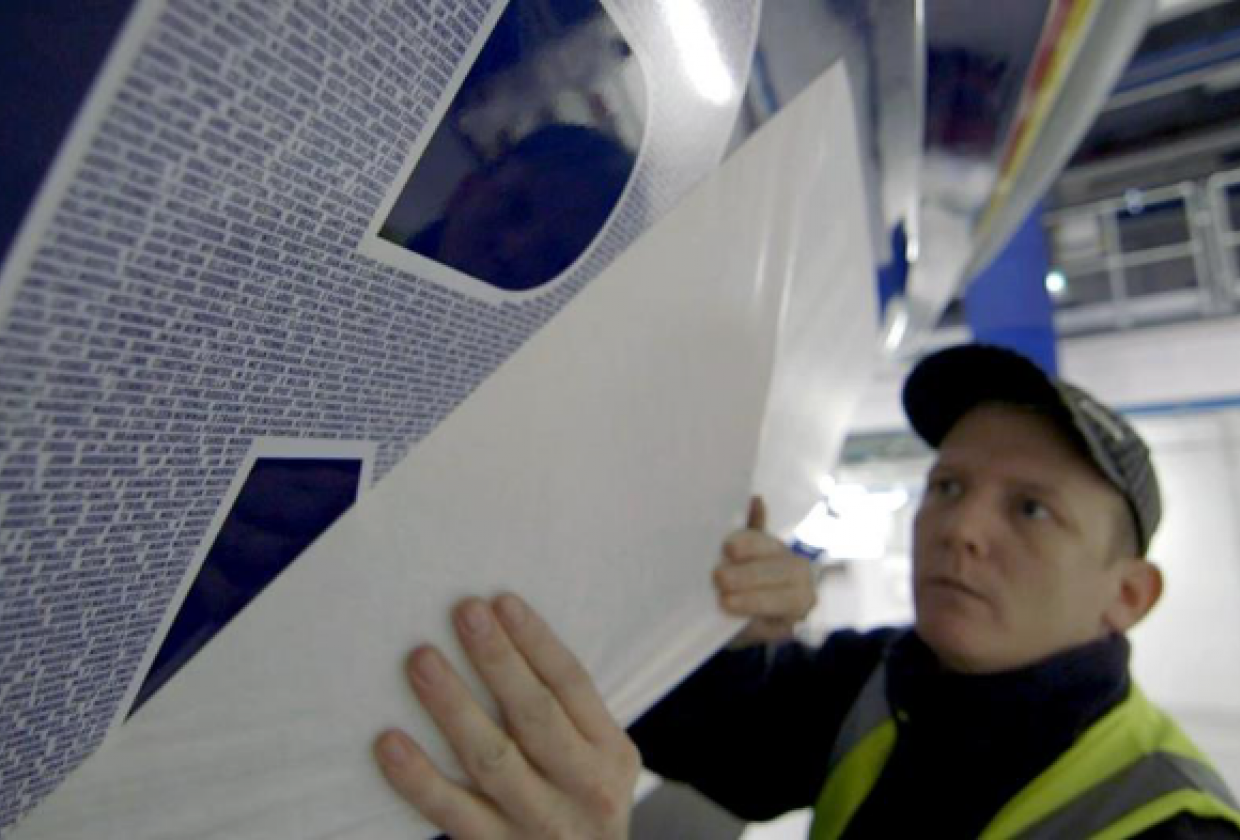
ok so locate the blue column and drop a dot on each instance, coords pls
(1007, 303)
(893, 277)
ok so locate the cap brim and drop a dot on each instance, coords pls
(944, 386)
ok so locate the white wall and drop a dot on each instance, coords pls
(1187, 653)
(1155, 365)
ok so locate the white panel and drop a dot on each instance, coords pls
(826, 355)
(596, 472)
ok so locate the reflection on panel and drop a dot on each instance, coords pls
(978, 57)
(534, 151)
(283, 506)
(938, 98)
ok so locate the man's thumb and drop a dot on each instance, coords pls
(757, 514)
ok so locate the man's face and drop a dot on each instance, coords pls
(1013, 544)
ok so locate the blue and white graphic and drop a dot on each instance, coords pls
(193, 275)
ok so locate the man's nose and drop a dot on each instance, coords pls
(968, 525)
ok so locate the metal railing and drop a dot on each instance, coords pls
(1223, 192)
(1147, 256)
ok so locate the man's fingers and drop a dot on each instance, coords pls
(753, 541)
(762, 630)
(789, 603)
(444, 803)
(558, 669)
(786, 570)
(604, 785)
(756, 521)
(551, 710)
(532, 712)
(748, 546)
(490, 757)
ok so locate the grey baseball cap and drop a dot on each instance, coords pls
(945, 385)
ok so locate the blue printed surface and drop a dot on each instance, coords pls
(197, 286)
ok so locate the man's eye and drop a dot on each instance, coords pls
(948, 488)
(1033, 509)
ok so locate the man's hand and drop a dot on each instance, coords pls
(761, 579)
(557, 766)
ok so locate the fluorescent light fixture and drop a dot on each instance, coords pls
(699, 50)
(853, 522)
(1056, 283)
(896, 325)
(815, 528)
(849, 499)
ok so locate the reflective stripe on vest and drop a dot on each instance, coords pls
(857, 759)
(1131, 770)
(1151, 779)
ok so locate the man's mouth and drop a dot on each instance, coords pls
(955, 586)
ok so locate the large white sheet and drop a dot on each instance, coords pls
(596, 473)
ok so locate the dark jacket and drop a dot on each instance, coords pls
(752, 730)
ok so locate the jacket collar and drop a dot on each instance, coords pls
(1056, 698)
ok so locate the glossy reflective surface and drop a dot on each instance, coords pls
(937, 84)
(942, 87)
(284, 505)
(534, 151)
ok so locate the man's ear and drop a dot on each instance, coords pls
(1140, 587)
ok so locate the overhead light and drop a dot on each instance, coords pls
(854, 522)
(1056, 283)
(815, 528)
(850, 499)
(895, 325)
(699, 51)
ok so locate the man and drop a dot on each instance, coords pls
(1007, 711)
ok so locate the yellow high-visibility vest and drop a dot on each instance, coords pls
(1131, 770)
